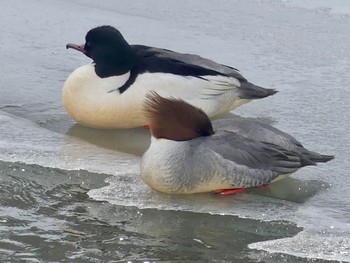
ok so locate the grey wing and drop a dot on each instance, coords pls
(193, 60)
(252, 154)
(243, 162)
(263, 132)
(258, 131)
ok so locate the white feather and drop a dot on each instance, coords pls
(97, 102)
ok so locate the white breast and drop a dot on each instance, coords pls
(173, 167)
(97, 102)
(160, 162)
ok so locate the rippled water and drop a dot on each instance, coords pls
(73, 194)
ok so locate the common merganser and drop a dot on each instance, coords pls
(109, 92)
(187, 155)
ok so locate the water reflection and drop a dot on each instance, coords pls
(131, 141)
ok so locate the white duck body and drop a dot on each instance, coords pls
(224, 160)
(190, 154)
(96, 102)
(109, 92)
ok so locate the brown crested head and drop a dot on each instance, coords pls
(175, 119)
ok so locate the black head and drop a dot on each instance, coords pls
(106, 46)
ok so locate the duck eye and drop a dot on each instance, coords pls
(88, 45)
(204, 132)
(199, 131)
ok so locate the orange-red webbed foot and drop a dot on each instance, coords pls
(229, 191)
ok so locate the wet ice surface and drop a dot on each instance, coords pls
(50, 207)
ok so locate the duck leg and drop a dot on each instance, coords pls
(229, 191)
(235, 190)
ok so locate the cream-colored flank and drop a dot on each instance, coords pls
(97, 102)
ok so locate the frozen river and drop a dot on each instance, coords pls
(73, 194)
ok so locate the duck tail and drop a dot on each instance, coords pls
(321, 158)
(250, 91)
(312, 158)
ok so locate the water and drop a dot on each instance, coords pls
(73, 194)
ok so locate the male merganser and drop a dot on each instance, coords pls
(109, 92)
(187, 155)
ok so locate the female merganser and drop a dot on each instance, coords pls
(109, 92)
(186, 156)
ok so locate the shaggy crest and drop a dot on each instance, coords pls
(175, 119)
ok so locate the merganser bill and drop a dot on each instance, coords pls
(190, 154)
(109, 92)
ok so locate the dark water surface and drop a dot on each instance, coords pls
(47, 215)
